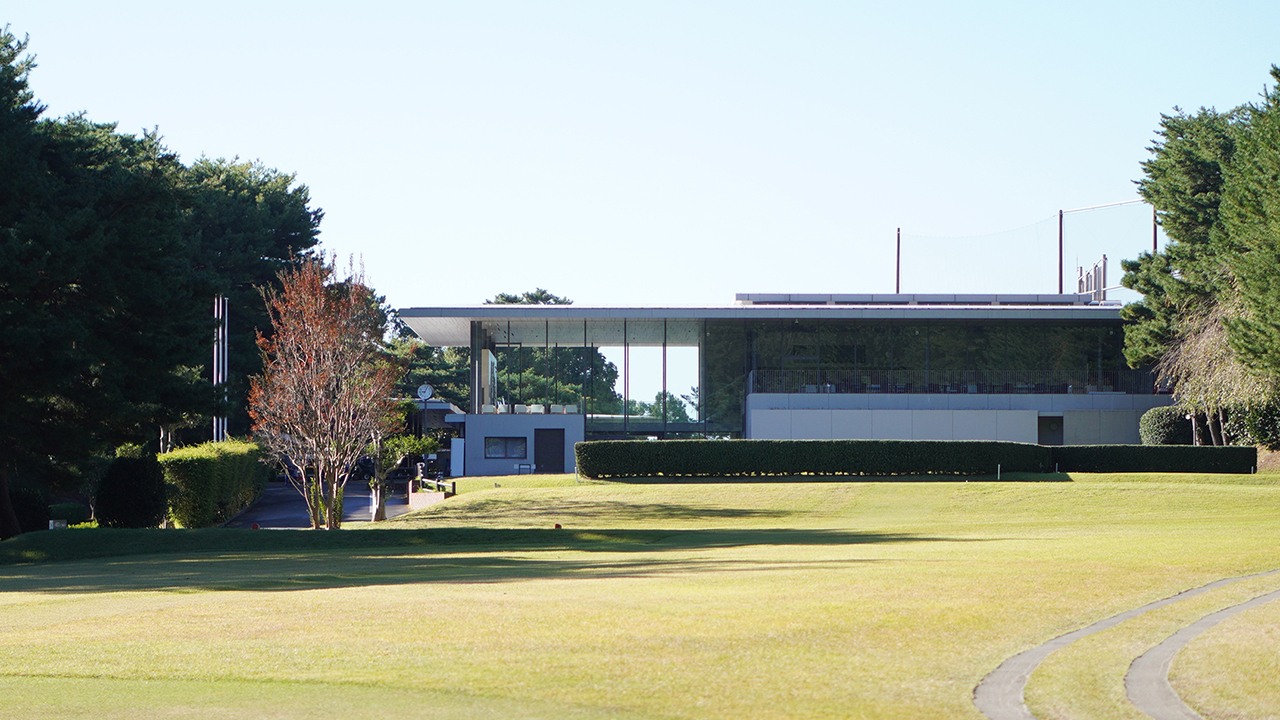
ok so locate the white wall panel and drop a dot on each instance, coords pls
(1081, 427)
(974, 425)
(811, 424)
(769, 424)
(891, 424)
(931, 425)
(851, 424)
(1018, 426)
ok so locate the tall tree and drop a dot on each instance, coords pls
(247, 222)
(1251, 216)
(326, 390)
(104, 326)
(19, 182)
(111, 252)
(1189, 290)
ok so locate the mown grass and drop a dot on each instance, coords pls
(1232, 670)
(814, 599)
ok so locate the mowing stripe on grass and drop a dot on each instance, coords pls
(1000, 695)
(1147, 682)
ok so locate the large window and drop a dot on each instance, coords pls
(882, 357)
(506, 447)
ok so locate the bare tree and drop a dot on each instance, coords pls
(326, 387)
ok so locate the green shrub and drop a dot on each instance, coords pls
(752, 458)
(765, 458)
(1155, 458)
(131, 494)
(73, 512)
(212, 482)
(1166, 425)
(30, 507)
(1264, 425)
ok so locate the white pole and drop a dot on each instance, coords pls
(220, 365)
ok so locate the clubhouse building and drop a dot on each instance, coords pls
(1043, 369)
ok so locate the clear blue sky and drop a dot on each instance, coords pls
(660, 153)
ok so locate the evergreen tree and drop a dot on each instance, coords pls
(1189, 290)
(111, 253)
(247, 223)
(1251, 215)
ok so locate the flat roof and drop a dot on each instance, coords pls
(913, 299)
(451, 326)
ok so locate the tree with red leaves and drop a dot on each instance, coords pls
(327, 386)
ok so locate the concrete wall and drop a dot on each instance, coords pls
(1087, 419)
(1015, 425)
(1100, 427)
(478, 427)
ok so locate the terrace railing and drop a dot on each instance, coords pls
(904, 380)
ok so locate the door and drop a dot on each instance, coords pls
(548, 450)
(1050, 431)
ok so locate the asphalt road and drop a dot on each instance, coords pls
(281, 507)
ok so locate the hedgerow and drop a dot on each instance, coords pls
(210, 483)
(887, 458)
(763, 458)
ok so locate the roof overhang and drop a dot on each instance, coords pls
(561, 324)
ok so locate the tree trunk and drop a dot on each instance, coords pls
(1215, 432)
(1195, 430)
(9, 526)
(379, 491)
(315, 499)
(333, 506)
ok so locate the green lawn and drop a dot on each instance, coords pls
(708, 600)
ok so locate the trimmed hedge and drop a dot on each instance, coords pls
(1156, 458)
(210, 483)
(1165, 425)
(752, 458)
(763, 458)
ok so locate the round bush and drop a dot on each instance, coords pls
(131, 494)
(1165, 426)
(31, 509)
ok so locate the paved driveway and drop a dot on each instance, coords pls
(281, 507)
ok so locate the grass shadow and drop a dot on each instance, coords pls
(849, 478)
(227, 560)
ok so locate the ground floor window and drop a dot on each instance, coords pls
(506, 447)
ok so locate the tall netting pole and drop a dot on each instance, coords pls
(897, 275)
(1060, 252)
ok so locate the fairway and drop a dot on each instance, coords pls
(708, 600)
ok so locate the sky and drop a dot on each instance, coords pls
(673, 153)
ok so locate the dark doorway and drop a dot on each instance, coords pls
(1050, 431)
(548, 450)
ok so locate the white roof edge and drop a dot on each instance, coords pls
(451, 326)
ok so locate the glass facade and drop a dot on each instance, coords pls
(1010, 357)
(557, 365)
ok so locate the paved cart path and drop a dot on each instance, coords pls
(1000, 695)
(1147, 682)
(282, 507)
